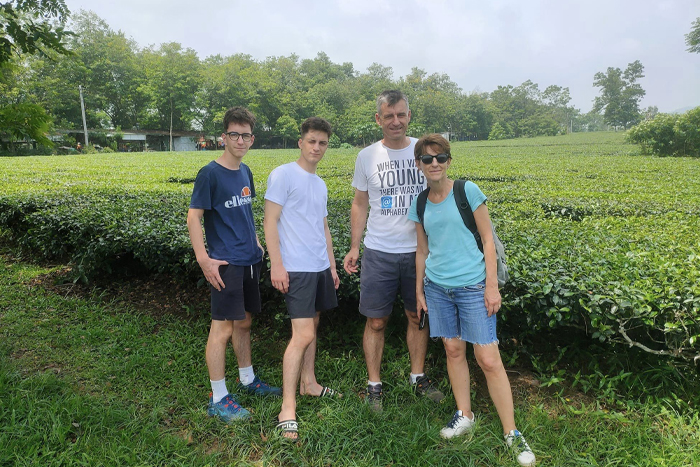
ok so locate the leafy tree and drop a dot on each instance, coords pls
(172, 81)
(620, 94)
(287, 128)
(225, 82)
(692, 39)
(27, 27)
(25, 121)
(498, 132)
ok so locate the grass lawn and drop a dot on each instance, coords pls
(92, 381)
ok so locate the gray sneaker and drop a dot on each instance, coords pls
(458, 425)
(515, 441)
(374, 397)
(426, 387)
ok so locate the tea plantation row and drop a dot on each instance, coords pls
(599, 238)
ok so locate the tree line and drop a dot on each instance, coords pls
(168, 87)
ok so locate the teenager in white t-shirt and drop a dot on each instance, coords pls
(386, 181)
(302, 265)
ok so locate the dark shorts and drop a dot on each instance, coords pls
(382, 275)
(241, 294)
(310, 292)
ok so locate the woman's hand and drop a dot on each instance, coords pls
(492, 299)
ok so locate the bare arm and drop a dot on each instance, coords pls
(210, 267)
(358, 222)
(331, 257)
(421, 256)
(492, 297)
(278, 274)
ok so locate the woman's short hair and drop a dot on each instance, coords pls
(435, 140)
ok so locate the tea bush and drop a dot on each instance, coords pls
(597, 241)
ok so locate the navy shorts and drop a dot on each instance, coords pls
(382, 275)
(310, 292)
(241, 294)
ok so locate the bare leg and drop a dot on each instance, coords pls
(373, 343)
(489, 359)
(308, 384)
(241, 341)
(458, 370)
(219, 335)
(417, 341)
(303, 333)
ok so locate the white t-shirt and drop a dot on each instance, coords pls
(391, 179)
(303, 197)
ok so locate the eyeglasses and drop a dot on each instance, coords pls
(246, 136)
(427, 159)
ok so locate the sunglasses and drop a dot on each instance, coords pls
(427, 159)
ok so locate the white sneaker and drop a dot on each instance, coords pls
(457, 426)
(516, 441)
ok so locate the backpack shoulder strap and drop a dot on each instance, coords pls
(420, 204)
(465, 210)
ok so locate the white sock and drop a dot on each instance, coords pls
(414, 377)
(246, 375)
(374, 383)
(218, 389)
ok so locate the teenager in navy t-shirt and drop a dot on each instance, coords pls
(222, 196)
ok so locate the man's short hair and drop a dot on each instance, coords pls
(317, 124)
(436, 141)
(239, 115)
(390, 98)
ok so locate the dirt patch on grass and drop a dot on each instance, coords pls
(156, 295)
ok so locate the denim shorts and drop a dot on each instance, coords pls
(460, 312)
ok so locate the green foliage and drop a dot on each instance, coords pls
(596, 240)
(92, 381)
(620, 94)
(25, 122)
(669, 134)
(27, 27)
(692, 39)
(498, 132)
(158, 87)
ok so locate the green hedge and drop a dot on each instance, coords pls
(597, 241)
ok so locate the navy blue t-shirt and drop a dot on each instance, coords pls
(226, 197)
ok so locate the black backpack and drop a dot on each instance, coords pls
(468, 218)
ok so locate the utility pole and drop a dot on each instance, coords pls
(82, 109)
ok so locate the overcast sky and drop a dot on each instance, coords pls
(479, 44)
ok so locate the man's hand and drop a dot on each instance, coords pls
(279, 278)
(350, 261)
(336, 279)
(210, 268)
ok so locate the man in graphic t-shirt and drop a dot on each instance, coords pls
(386, 181)
(222, 196)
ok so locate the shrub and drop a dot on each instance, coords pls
(669, 135)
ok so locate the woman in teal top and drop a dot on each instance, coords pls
(456, 284)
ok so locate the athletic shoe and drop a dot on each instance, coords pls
(374, 397)
(426, 387)
(517, 443)
(259, 388)
(227, 409)
(458, 425)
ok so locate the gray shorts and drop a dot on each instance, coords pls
(241, 294)
(310, 292)
(382, 275)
